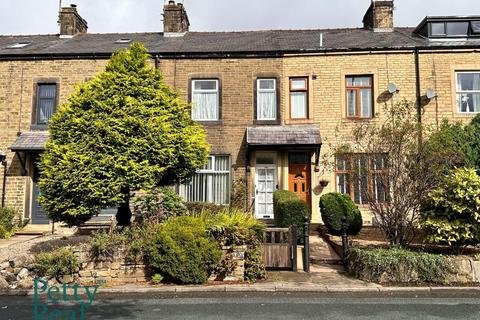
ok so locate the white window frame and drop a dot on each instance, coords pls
(459, 92)
(206, 170)
(217, 91)
(260, 91)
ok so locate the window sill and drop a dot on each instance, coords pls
(299, 121)
(39, 127)
(359, 119)
(212, 123)
(465, 114)
(266, 122)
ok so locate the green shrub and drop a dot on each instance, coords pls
(254, 266)
(104, 244)
(183, 251)
(198, 207)
(7, 222)
(334, 206)
(289, 210)
(232, 227)
(157, 278)
(57, 263)
(158, 205)
(451, 214)
(398, 265)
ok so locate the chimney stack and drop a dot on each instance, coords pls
(71, 23)
(175, 19)
(379, 16)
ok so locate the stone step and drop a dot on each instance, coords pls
(326, 261)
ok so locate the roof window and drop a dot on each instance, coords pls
(123, 40)
(475, 25)
(18, 45)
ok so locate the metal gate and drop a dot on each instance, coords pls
(279, 248)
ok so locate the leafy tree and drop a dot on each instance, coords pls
(125, 130)
(451, 214)
(472, 131)
(403, 164)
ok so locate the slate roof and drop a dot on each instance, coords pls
(284, 135)
(30, 141)
(269, 41)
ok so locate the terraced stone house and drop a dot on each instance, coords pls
(270, 101)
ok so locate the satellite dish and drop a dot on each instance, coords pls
(431, 94)
(392, 88)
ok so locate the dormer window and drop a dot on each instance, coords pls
(438, 28)
(18, 45)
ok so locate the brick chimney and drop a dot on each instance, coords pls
(175, 19)
(379, 16)
(71, 23)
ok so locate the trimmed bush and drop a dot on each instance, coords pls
(56, 263)
(183, 251)
(254, 266)
(451, 214)
(334, 206)
(289, 210)
(398, 265)
(157, 205)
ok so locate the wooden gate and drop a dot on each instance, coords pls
(279, 248)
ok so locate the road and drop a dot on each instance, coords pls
(250, 306)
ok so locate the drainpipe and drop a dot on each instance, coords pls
(3, 159)
(418, 93)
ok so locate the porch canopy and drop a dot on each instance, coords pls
(29, 142)
(288, 137)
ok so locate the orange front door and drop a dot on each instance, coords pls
(299, 181)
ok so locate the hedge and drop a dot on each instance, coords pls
(398, 265)
(289, 210)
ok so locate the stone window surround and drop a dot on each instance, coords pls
(36, 83)
(213, 76)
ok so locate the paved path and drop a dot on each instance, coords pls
(253, 306)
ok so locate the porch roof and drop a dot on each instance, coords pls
(30, 142)
(288, 135)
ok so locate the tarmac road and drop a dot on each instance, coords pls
(250, 306)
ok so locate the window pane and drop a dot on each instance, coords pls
(222, 163)
(299, 84)
(475, 27)
(298, 158)
(349, 81)
(267, 106)
(468, 81)
(47, 91)
(205, 85)
(343, 183)
(265, 160)
(352, 103)
(438, 29)
(468, 102)
(299, 104)
(457, 28)
(205, 106)
(266, 84)
(343, 163)
(45, 110)
(366, 102)
(362, 81)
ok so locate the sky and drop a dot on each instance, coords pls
(40, 16)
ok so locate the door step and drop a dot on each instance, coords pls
(326, 261)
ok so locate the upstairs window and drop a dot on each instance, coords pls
(299, 98)
(468, 92)
(211, 183)
(46, 103)
(475, 25)
(266, 99)
(359, 97)
(449, 29)
(205, 100)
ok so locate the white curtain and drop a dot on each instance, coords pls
(366, 102)
(299, 105)
(476, 96)
(205, 106)
(266, 106)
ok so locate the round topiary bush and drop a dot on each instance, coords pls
(333, 207)
(183, 251)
